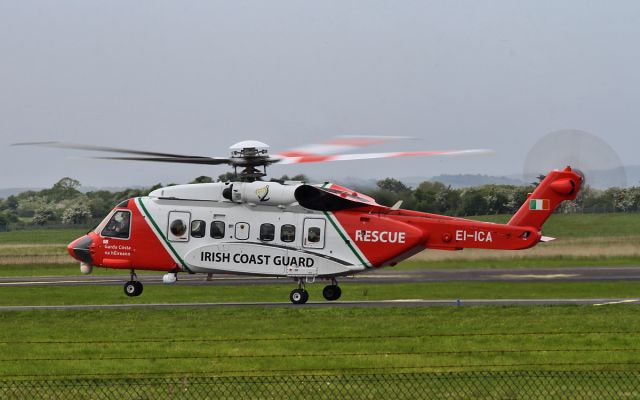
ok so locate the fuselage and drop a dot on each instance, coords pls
(294, 230)
(193, 228)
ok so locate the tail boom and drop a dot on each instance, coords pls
(555, 188)
(521, 232)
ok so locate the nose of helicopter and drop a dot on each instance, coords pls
(79, 249)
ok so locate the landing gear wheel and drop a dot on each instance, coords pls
(139, 287)
(133, 288)
(299, 296)
(332, 292)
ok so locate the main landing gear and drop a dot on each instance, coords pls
(300, 295)
(134, 287)
(332, 292)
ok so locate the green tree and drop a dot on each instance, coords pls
(12, 203)
(44, 215)
(76, 214)
(8, 216)
(496, 198)
(65, 188)
(393, 185)
(516, 197)
(227, 177)
(202, 179)
(473, 202)
(448, 200)
(426, 194)
(300, 178)
(100, 202)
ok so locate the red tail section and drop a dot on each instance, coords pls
(557, 187)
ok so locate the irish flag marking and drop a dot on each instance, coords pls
(539, 204)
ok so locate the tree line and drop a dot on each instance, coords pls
(64, 203)
(436, 197)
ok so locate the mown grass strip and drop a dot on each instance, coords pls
(439, 339)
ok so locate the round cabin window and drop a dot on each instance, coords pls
(178, 228)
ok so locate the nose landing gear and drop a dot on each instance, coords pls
(134, 287)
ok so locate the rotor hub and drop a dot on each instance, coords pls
(250, 155)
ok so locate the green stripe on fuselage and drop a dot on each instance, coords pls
(346, 239)
(159, 231)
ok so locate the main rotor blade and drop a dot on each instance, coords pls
(180, 160)
(77, 146)
(339, 144)
(367, 156)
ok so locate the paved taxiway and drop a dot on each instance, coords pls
(388, 275)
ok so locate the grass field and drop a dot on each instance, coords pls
(41, 236)
(299, 340)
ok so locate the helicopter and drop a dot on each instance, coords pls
(305, 232)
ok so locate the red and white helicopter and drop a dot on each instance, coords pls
(292, 229)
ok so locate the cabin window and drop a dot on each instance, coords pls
(313, 234)
(267, 232)
(119, 225)
(288, 233)
(242, 231)
(217, 229)
(178, 228)
(198, 228)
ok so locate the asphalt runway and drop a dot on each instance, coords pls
(388, 275)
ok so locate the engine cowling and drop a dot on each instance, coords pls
(266, 193)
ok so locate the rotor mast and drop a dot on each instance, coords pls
(250, 155)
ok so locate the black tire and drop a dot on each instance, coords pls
(332, 292)
(131, 289)
(299, 296)
(139, 288)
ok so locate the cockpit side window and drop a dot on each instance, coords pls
(119, 225)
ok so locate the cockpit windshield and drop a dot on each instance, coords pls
(119, 225)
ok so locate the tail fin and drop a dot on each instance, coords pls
(557, 187)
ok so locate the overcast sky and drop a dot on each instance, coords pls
(197, 76)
